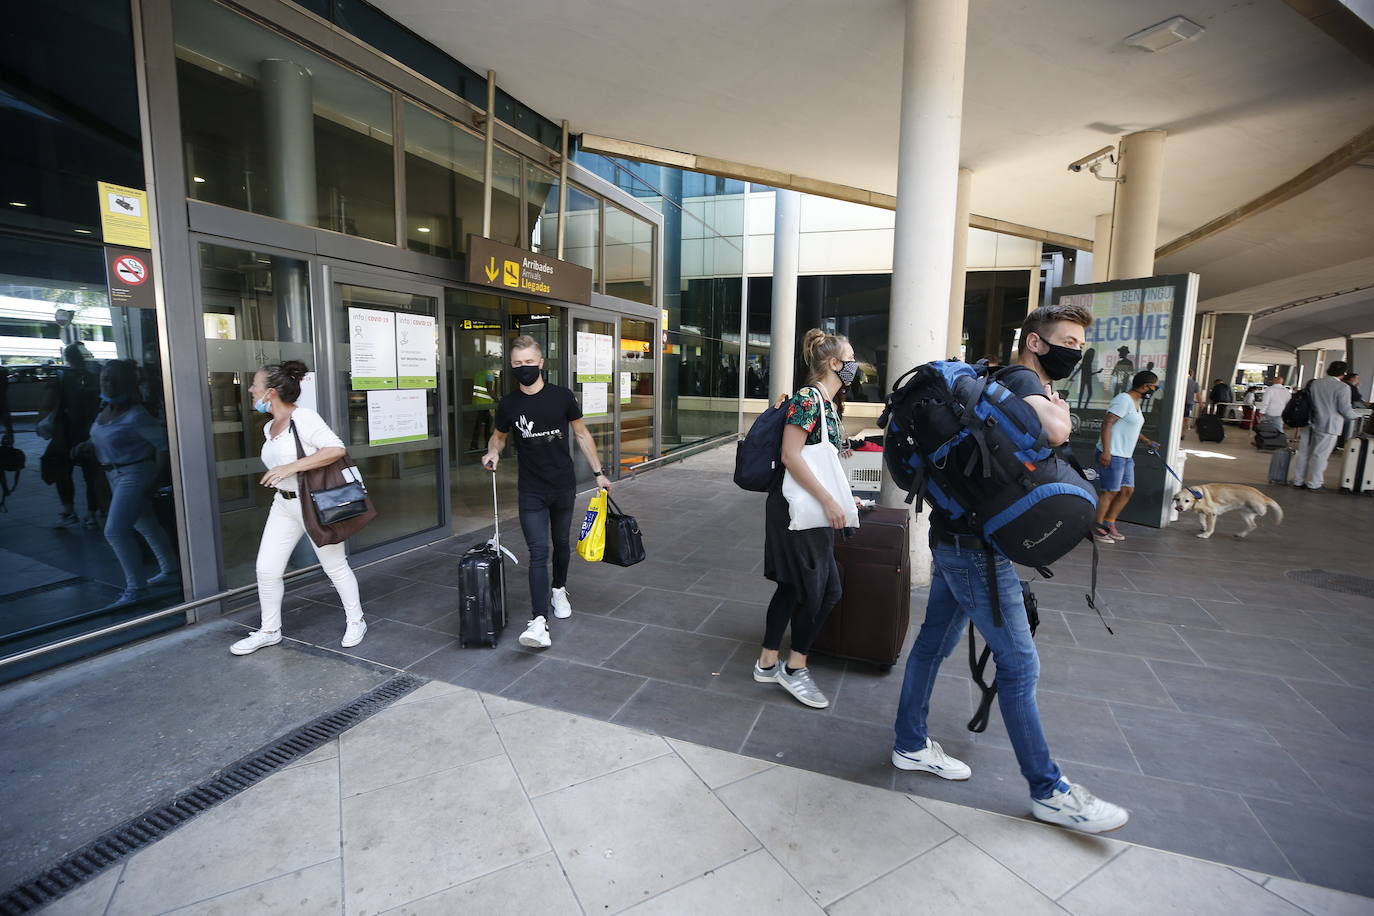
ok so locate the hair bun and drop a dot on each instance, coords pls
(294, 369)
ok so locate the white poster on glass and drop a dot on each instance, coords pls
(309, 396)
(397, 416)
(605, 356)
(624, 387)
(372, 345)
(594, 399)
(417, 351)
(586, 355)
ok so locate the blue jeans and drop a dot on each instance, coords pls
(959, 593)
(131, 509)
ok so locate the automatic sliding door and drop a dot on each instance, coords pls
(595, 384)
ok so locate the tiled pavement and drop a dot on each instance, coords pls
(1231, 710)
(499, 807)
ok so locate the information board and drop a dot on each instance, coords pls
(372, 347)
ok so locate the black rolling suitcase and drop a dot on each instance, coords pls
(482, 588)
(1269, 435)
(1209, 428)
(870, 622)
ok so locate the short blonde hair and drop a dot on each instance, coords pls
(526, 342)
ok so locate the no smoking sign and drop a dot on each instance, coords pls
(130, 278)
(131, 270)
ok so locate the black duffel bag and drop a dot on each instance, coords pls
(624, 543)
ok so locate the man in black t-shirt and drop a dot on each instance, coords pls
(541, 416)
(964, 570)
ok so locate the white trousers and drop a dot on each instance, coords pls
(1314, 450)
(282, 532)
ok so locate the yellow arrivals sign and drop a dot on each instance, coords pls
(124, 216)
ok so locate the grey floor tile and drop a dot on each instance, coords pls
(1077, 576)
(313, 891)
(755, 883)
(690, 714)
(428, 692)
(327, 751)
(736, 620)
(738, 586)
(657, 573)
(667, 609)
(450, 662)
(1171, 609)
(373, 585)
(90, 899)
(415, 838)
(634, 833)
(581, 689)
(437, 734)
(1133, 637)
(1025, 846)
(1147, 882)
(832, 836)
(1054, 629)
(716, 767)
(398, 645)
(1340, 766)
(956, 877)
(494, 669)
(1193, 820)
(1351, 663)
(1159, 582)
(1276, 592)
(586, 638)
(1100, 675)
(996, 784)
(801, 737)
(1326, 845)
(713, 557)
(553, 750)
(420, 603)
(870, 696)
(1078, 730)
(672, 655)
(1313, 899)
(1346, 707)
(500, 706)
(1264, 654)
(1297, 625)
(597, 594)
(290, 820)
(736, 678)
(1239, 695)
(536, 885)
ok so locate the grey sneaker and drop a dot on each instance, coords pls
(800, 685)
(766, 675)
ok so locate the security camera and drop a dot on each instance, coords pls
(1092, 159)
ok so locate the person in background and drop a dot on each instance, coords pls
(993, 360)
(131, 447)
(275, 390)
(1331, 407)
(1353, 380)
(1087, 377)
(802, 562)
(1275, 399)
(73, 399)
(1191, 400)
(1219, 397)
(542, 414)
(6, 420)
(964, 574)
(1121, 427)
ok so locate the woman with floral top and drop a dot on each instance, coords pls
(802, 563)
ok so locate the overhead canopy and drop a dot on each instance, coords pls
(811, 87)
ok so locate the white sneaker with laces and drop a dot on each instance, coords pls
(932, 759)
(1078, 809)
(354, 633)
(255, 641)
(561, 608)
(536, 635)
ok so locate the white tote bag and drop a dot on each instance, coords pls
(824, 461)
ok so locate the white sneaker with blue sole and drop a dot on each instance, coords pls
(1075, 807)
(932, 759)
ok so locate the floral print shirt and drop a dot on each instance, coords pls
(804, 410)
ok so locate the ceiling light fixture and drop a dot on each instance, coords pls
(197, 179)
(84, 231)
(423, 229)
(18, 203)
(1165, 34)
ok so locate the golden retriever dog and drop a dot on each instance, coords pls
(1213, 499)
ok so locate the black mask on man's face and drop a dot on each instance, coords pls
(526, 375)
(1059, 362)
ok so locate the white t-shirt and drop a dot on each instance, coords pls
(1126, 431)
(314, 432)
(1275, 400)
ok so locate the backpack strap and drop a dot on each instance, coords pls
(978, 664)
(1092, 593)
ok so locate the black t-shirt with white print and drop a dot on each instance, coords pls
(539, 424)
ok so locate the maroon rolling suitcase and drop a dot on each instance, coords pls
(870, 622)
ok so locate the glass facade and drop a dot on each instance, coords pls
(444, 164)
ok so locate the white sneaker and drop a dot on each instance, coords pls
(932, 759)
(255, 641)
(1079, 809)
(561, 608)
(354, 633)
(536, 635)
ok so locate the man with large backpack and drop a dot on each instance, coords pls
(967, 569)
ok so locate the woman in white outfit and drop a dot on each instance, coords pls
(275, 390)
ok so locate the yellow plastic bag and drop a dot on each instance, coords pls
(591, 543)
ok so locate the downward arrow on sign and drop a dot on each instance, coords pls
(492, 270)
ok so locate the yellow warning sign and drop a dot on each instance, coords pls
(124, 216)
(512, 274)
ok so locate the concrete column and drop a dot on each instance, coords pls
(1135, 221)
(958, 270)
(1307, 366)
(1102, 247)
(288, 121)
(783, 336)
(1228, 342)
(927, 198)
(1361, 359)
(670, 181)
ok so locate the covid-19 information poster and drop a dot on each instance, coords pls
(1138, 325)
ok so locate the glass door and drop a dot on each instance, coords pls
(593, 371)
(385, 364)
(634, 384)
(475, 370)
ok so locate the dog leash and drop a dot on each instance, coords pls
(1197, 494)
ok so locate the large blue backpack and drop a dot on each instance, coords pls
(959, 439)
(758, 456)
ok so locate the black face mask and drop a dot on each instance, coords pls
(1059, 362)
(526, 375)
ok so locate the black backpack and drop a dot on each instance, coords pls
(1297, 413)
(758, 456)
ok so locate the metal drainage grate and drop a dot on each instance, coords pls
(1333, 582)
(147, 828)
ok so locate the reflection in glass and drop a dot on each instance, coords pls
(635, 392)
(505, 197)
(273, 128)
(71, 558)
(541, 200)
(443, 184)
(475, 367)
(584, 227)
(629, 255)
(594, 391)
